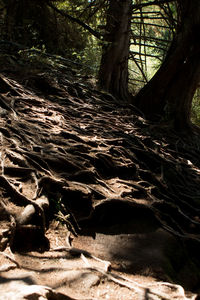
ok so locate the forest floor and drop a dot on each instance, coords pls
(95, 201)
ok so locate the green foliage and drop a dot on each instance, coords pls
(92, 14)
(195, 114)
(90, 56)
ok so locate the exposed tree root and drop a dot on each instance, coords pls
(83, 152)
(136, 287)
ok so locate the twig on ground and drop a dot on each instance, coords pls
(79, 252)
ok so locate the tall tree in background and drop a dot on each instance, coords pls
(172, 88)
(113, 73)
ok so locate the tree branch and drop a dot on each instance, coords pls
(156, 2)
(73, 19)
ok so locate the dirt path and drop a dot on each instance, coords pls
(75, 274)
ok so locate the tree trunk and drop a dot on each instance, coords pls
(171, 90)
(113, 73)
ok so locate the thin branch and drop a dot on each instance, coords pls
(150, 46)
(151, 24)
(149, 38)
(150, 55)
(73, 19)
(157, 12)
(139, 67)
(170, 18)
(97, 7)
(156, 2)
(149, 18)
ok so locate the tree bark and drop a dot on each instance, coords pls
(113, 73)
(171, 90)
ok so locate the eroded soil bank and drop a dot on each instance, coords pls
(80, 171)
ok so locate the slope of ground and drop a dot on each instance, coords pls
(123, 189)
